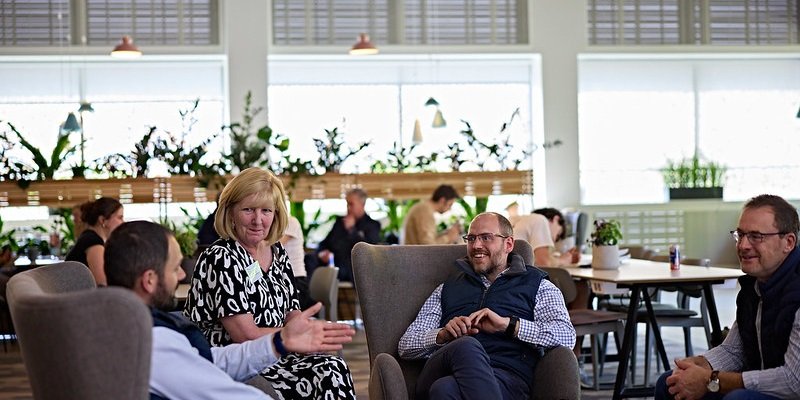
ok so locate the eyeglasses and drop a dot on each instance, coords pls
(753, 237)
(483, 237)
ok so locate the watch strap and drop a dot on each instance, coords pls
(511, 330)
(278, 342)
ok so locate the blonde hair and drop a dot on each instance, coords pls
(268, 189)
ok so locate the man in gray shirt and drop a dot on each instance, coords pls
(760, 357)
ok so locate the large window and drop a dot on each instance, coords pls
(127, 97)
(637, 114)
(379, 100)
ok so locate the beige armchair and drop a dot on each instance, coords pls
(392, 283)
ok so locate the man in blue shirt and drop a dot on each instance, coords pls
(145, 257)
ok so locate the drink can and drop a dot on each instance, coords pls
(674, 257)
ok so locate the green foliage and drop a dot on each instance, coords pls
(43, 167)
(473, 211)
(297, 211)
(180, 157)
(64, 226)
(7, 239)
(401, 160)
(501, 152)
(396, 212)
(185, 234)
(331, 153)
(253, 150)
(693, 173)
(606, 233)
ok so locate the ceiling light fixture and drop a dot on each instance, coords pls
(363, 46)
(126, 49)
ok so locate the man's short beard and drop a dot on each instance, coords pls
(162, 299)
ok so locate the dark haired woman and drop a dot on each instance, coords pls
(100, 217)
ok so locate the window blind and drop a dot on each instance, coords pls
(157, 22)
(715, 22)
(34, 22)
(104, 22)
(409, 22)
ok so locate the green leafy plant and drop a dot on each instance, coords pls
(606, 233)
(182, 158)
(310, 225)
(43, 167)
(64, 226)
(693, 173)
(396, 211)
(504, 154)
(7, 239)
(401, 160)
(331, 153)
(248, 149)
(185, 234)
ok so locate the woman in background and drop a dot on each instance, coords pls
(100, 218)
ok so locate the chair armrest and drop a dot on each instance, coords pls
(386, 380)
(263, 385)
(556, 375)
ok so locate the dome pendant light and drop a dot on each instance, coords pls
(363, 46)
(126, 49)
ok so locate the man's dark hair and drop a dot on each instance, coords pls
(133, 248)
(444, 191)
(551, 213)
(786, 219)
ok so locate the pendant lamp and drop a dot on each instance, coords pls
(71, 124)
(363, 46)
(85, 107)
(438, 119)
(126, 49)
(417, 138)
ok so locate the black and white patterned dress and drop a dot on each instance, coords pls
(221, 288)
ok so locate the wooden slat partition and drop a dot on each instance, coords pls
(66, 193)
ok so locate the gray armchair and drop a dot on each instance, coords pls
(392, 283)
(78, 341)
(82, 342)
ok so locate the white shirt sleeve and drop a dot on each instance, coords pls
(242, 361)
(177, 372)
(534, 229)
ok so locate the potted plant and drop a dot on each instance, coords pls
(694, 178)
(605, 244)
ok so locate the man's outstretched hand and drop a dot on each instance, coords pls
(303, 334)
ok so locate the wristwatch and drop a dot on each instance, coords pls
(512, 327)
(713, 383)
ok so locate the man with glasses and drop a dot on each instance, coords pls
(760, 357)
(484, 329)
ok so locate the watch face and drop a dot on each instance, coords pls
(713, 386)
